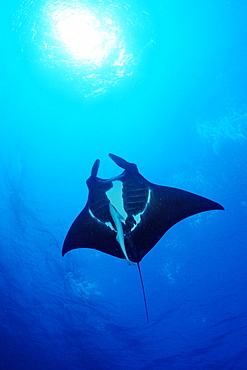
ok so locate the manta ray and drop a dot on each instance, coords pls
(125, 216)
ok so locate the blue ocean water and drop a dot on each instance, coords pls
(163, 85)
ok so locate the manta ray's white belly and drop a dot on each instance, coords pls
(115, 196)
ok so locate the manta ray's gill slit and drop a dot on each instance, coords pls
(100, 208)
(135, 195)
(137, 217)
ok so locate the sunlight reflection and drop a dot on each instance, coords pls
(87, 46)
(84, 36)
(86, 40)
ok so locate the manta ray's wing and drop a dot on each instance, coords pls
(93, 228)
(166, 207)
(127, 215)
(87, 232)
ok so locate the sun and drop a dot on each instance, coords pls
(86, 47)
(85, 36)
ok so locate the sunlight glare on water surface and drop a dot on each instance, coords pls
(89, 45)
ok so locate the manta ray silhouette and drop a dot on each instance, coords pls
(127, 215)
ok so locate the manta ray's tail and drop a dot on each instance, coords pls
(143, 291)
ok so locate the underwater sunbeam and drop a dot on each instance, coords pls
(85, 37)
(85, 46)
